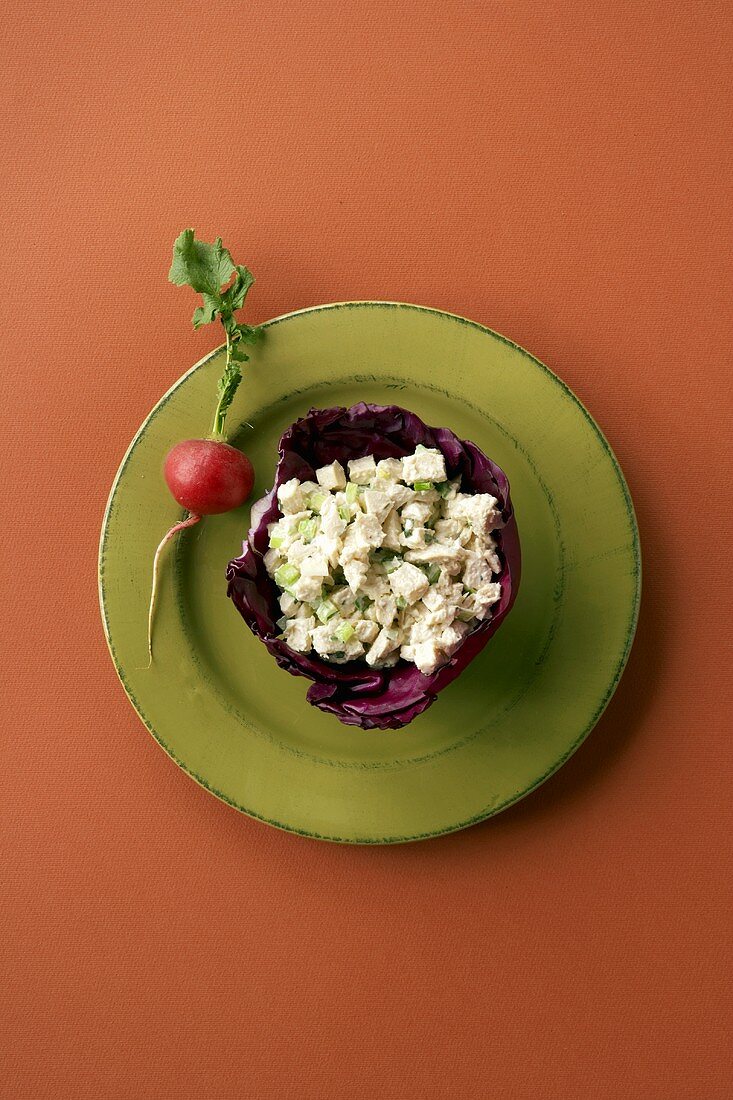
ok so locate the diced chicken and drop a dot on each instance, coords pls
(288, 604)
(297, 634)
(329, 546)
(385, 609)
(392, 528)
(425, 465)
(449, 558)
(298, 552)
(409, 582)
(362, 470)
(428, 657)
(377, 503)
(375, 586)
(344, 599)
(331, 477)
(325, 642)
(315, 565)
(307, 589)
(448, 530)
(452, 636)
(474, 570)
(272, 559)
(418, 538)
(433, 599)
(417, 510)
(355, 571)
(390, 469)
(365, 630)
(399, 494)
(384, 644)
(483, 600)
(290, 497)
(369, 529)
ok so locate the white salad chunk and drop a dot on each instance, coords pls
(390, 562)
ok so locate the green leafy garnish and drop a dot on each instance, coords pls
(208, 268)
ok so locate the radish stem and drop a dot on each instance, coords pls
(224, 398)
(180, 526)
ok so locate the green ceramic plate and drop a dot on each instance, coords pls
(215, 700)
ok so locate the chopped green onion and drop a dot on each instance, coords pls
(432, 572)
(286, 575)
(401, 603)
(429, 536)
(275, 541)
(345, 632)
(362, 603)
(443, 487)
(316, 501)
(326, 611)
(352, 492)
(338, 656)
(345, 512)
(392, 564)
(308, 528)
(423, 486)
(465, 616)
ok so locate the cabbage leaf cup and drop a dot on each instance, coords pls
(355, 693)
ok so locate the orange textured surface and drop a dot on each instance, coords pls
(558, 172)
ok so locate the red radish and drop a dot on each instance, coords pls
(208, 476)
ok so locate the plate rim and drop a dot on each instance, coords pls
(491, 811)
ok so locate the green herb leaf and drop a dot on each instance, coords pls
(239, 355)
(233, 297)
(226, 387)
(247, 334)
(206, 313)
(205, 267)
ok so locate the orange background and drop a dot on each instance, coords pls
(557, 171)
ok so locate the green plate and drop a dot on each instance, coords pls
(215, 700)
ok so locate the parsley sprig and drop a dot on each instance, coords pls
(223, 286)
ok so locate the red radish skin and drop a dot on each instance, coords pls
(207, 476)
